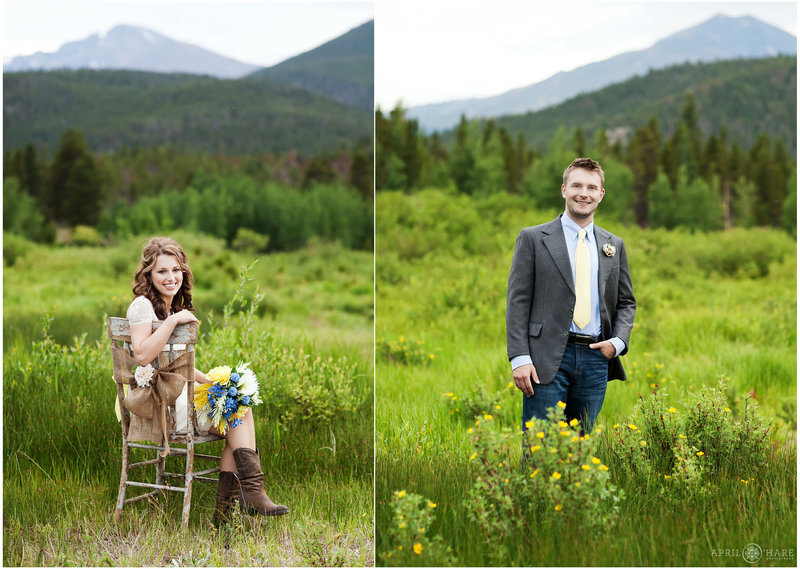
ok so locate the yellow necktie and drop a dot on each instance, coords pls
(582, 314)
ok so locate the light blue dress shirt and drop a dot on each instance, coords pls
(571, 230)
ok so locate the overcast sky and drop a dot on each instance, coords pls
(260, 32)
(436, 51)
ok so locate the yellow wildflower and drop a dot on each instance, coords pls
(616, 425)
(700, 453)
(556, 475)
(534, 473)
(535, 448)
(431, 356)
(585, 466)
(399, 548)
(506, 480)
(671, 409)
(401, 339)
(563, 424)
(632, 427)
(450, 394)
(603, 467)
(540, 435)
(417, 548)
(575, 438)
(562, 404)
(681, 436)
(643, 443)
(577, 485)
(565, 433)
(586, 437)
(595, 460)
(727, 410)
(501, 464)
(558, 507)
(667, 476)
(529, 424)
(474, 454)
(469, 430)
(497, 406)
(573, 423)
(487, 417)
(401, 493)
(402, 525)
(598, 430)
(431, 504)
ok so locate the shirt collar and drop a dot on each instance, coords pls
(571, 228)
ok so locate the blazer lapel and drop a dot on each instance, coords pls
(557, 246)
(604, 262)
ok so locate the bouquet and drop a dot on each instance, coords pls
(227, 398)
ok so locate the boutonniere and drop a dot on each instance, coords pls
(609, 250)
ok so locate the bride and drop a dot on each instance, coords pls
(163, 291)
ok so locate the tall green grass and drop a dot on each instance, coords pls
(710, 305)
(61, 440)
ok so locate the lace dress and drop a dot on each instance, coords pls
(141, 310)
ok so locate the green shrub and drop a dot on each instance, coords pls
(249, 240)
(562, 483)
(681, 450)
(404, 352)
(21, 215)
(14, 247)
(83, 235)
(411, 541)
(477, 403)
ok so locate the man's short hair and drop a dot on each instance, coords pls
(586, 164)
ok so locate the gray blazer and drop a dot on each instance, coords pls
(541, 297)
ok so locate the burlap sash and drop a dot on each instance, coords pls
(151, 402)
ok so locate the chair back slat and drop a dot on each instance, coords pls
(120, 330)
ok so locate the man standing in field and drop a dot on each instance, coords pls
(570, 305)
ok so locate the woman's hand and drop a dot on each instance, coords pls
(183, 317)
(200, 377)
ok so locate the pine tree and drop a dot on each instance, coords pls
(73, 150)
(84, 194)
(643, 159)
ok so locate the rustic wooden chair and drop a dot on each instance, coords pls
(186, 334)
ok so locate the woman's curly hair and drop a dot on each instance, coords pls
(143, 283)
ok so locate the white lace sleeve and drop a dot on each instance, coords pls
(141, 310)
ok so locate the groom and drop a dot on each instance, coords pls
(570, 305)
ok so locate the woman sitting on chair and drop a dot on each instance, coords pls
(162, 289)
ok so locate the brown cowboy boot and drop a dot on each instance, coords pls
(252, 497)
(227, 492)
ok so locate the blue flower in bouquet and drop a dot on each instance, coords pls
(227, 399)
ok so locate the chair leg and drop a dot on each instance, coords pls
(187, 498)
(123, 478)
(160, 468)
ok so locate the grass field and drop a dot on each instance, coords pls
(61, 440)
(710, 306)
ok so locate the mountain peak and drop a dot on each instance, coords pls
(131, 47)
(720, 37)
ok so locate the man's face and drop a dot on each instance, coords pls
(582, 193)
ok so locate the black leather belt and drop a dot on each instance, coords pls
(582, 339)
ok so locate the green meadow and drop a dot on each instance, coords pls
(305, 321)
(715, 308)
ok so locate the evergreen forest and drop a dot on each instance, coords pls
(675, 153)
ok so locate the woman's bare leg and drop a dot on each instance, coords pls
(243, 436)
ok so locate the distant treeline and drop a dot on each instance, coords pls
(283, 199)
(683, 179)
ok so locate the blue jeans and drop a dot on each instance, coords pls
(580, 382)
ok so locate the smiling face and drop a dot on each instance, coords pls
(582, 192)
(167, 277)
